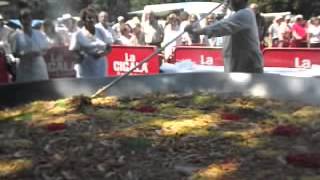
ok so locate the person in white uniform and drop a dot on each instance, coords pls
(29, 46)
(241, 42)
(106, 26)
(67, 27)
(171, 31)
(92, 45)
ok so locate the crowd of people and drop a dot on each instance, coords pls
(294, 31)
(90, 37)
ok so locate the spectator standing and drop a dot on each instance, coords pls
(184, 17)
(54, 39)
(126, 35)
(29, 45)
(189, 38)
(171, 31)
(261, 23)
(274, 32)
(137, 35)
(314, 33)
(117, 27)
(211, 41)
(5, 51)
(154, 32)
(289, 21)
(299, 33)
(5, 33)
(104, 24)
(92, 46)
(285, 32)
(69, 27)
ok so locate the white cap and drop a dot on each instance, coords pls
(134, 24)
(299, 16)
(288, 17)
(1, 17)
(120, 18)
(66, 16)
(278, 17)
(130, 23)
(136, 20)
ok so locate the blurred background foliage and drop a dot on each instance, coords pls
(55, 8)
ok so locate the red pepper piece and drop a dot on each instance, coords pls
(311, 160)
(146, 109)
(286, 130)
(56, 127)
(230, 117)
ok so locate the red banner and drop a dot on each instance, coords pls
(60, 62)
(291, 57)
(123, 58)
(199, 55)
(4, 75)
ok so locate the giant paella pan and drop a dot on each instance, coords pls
(173, 126)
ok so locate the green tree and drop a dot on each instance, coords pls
(305, 7)
(139, 4)
(55, 8)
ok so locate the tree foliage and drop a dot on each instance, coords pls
(305, 7)
(55, 8)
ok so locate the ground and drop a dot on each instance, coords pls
(198, 137)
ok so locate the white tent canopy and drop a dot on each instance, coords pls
(4, 3)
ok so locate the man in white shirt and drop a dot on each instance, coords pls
(241, 47)
(104, 24)
(274, 31)
(154, 32)
(314, 33)
(68, 28)
(119, 25)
